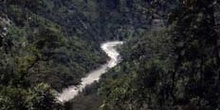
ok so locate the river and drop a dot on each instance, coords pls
(110, 49)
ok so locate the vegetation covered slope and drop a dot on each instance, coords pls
(178, 69)
(39, 56)
(171, 68)
(50, 44)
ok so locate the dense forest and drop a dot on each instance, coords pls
(170, 67)
(171, 55)
(41, 54)
(177, 67)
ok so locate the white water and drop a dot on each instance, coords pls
(110, 50)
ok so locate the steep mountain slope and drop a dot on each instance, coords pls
(171, 59)
(178, 69)
(38, 55)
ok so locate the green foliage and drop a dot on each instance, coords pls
(57, 42)
(41, 53)
(40, 47)
(197, 54)
(42, 98)
(137, 80)
(174, 70)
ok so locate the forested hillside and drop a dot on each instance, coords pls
(41, 53)
(171, 55)
(175, 68)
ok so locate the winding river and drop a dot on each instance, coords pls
(110, 49)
